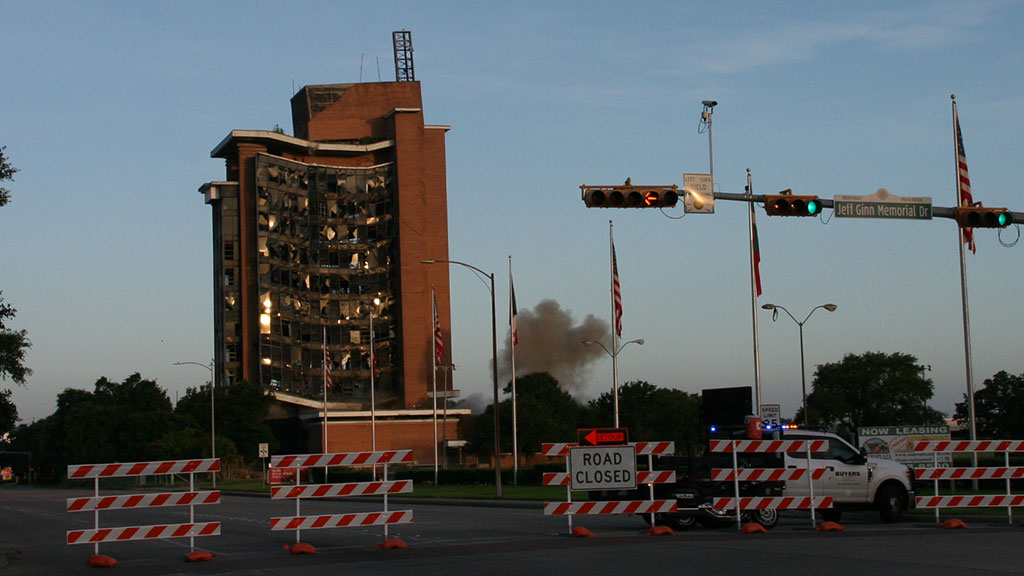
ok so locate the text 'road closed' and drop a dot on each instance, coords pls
(602, 467)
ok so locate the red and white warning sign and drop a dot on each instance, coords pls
(602, 436)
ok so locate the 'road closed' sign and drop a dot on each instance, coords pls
(602, 467)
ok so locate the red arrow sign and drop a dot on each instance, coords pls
(602, 436)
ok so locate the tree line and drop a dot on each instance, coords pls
(869, 389)
(135, 420)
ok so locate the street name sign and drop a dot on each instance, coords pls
(882, 204)
(602, 436)
(602, 467)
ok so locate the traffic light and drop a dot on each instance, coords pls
(602, 198)
(630, 196)
(659, 198)
(786, 204)
(982, 217)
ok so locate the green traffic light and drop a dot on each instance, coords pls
(1004, 219)
(813, 207)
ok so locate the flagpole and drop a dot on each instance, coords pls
(433, 299)
(327, 376)
(512, 346)
(958, 145)
(446, 387)
(753, 296)
(615, 323)
(373, 403)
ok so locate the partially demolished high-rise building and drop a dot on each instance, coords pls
(318, 244)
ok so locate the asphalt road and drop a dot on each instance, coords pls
(496, 540)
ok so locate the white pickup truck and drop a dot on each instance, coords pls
(851, 478)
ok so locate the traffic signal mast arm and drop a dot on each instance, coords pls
(937, 211)
(784, 203)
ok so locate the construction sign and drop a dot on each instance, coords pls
(602, 436)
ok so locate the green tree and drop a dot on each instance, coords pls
(13, 343)
(6, 173)
(870, 389)
(8, 412)
(544, 413)
(998, 407)
(116, 422)
(651, 413)
(240, 410)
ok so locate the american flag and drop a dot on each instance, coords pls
(616, 293)
(512, 314)
(963, 180)
(328, 362)
(438, 342)
(757, 259)
(376, 370)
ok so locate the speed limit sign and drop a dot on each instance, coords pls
(771, 416)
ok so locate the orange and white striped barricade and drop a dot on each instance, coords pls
(737, 475)
(98, 503)
(383, 488)
(773, 502)
(649, 477)
(935, 473)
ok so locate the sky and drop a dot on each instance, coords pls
(110, 111)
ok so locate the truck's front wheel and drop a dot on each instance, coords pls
(767, 517)
(675, 521)
(891, 501)
(830, 514)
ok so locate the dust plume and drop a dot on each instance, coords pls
(549, 341)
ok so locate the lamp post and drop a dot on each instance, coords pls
(803, 378)
(373, 386)
(213, 436)
(494, 367)
(615, 370)
(373, 383)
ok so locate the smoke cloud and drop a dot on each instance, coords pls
(550, 342)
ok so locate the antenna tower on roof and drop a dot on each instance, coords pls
(404, 71)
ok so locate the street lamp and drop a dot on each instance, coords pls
(615, 370)
(494, 367)
(803, 378)
(373, 376)
(213, 441)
